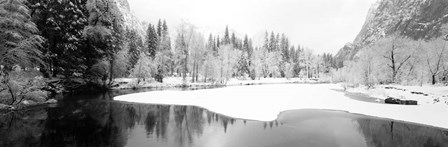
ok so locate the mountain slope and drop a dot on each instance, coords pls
(416, 19)
(130, 20)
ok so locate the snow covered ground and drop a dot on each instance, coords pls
(265, 102)
(425, 95)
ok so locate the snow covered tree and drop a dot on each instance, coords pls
(135, 47)
(397, 51)
(159, 28)
(434, 55)
(284, 46)
(181, 55)
(242, 66)
(104, 33)
(233, 40)
(19, 45)
(274, 62)
(151, 41)
(226, 39)
(62, 24)
(272, 43)
(19, 42)
(164, 52)
(144, 68)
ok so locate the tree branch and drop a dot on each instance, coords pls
(402, 63)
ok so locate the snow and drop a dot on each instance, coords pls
(265, 102)
(435, 94)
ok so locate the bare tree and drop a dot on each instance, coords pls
(397, 51)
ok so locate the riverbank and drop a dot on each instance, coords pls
(170, 82)
(265, 102)
(424, 95)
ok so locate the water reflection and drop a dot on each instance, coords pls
(107, 123)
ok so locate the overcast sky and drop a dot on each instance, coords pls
(322, 25)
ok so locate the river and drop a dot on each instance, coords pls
(96, 120)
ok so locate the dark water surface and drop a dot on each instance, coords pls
(98, 121)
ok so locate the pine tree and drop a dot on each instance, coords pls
(246, 44)
(19, 41)
(266, 41)
(135, 44)
(277, 42)
(19, 44)
(210, 43)
(218, 43)
(159, 29)
(250, 48)
(292, 54)
(242, 65)
(233, 40)
(104, 34)
(62, 23)
(151, 41)
(226, 39)
(272, 43)
(284, 46)
(182, 53)
(164, 26)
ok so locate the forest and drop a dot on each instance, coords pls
(398, 60)
(50, 47)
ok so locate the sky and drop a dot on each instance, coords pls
(322, 25)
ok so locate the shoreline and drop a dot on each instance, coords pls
(176, 82)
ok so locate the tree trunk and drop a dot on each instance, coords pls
(184, 76)
(111, 70)
(197, 72)
(433, 79)
(194, 72)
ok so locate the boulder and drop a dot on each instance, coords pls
(391, 100)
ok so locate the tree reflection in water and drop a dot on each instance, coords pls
(389, 133)
(107, 123)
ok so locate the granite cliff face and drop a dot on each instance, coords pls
(131, 22)
(416, 19)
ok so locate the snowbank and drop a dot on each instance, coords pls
(265, 102)
(425, 95)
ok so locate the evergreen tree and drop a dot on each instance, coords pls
(164, 39)
(19, 41)
(233, 40)
(226, 39)
(284, 46)
(277, 43)
(159, 29)
(292, 54)
(210, 43)
(62, 24)
(135, 45)
(242, 65)
(266, 41)
(246, 45)
(164, 26)
(151, 41)
(272, 43)
(182, 53)
(250, 48)
(218, 43)
(104, 34)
